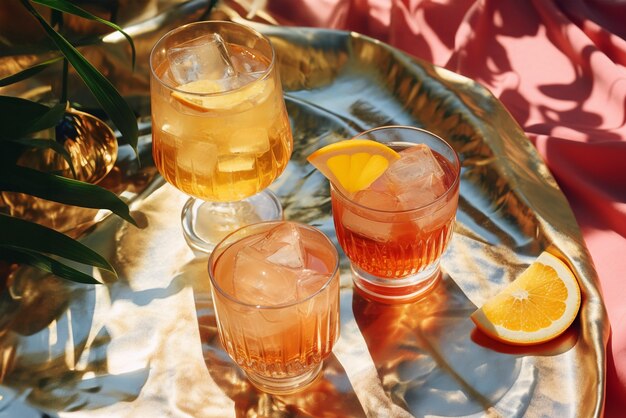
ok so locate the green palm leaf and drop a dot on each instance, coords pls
(49, 119)
(67, 7)
(105, 93)
(27, 72)
(63, 190)
(20, 117)
(45, 263)
(31, 237)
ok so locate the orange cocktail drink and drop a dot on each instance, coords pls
(395, 230)
(275, 288)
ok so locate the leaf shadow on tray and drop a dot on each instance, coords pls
(62, 360)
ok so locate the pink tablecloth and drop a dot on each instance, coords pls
(559, 66)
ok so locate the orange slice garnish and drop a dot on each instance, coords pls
(352, 165)
(206, 95)
(536, 307)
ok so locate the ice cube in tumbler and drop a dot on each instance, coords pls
(377, 199)
(203, 58)
(360, 223)
(422, 192)
(283, 246)
(260, 282)
(309, 282)
(417, 178)
(414, 164)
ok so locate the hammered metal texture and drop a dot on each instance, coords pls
(147, 344)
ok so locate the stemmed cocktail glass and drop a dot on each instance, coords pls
(221, 132)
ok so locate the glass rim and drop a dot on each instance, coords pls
(213, 261)
(449, 190)
(172, 32)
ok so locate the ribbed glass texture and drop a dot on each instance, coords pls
(280, 342)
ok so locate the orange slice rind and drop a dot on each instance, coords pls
(537, 306)
(352, 165)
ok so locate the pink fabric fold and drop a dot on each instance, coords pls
(559, 66)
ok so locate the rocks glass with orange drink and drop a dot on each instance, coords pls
(220, 128)
(275, 288)
(394, 193)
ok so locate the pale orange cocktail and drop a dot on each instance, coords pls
(220, 128)
(275, 289)
(395, 230)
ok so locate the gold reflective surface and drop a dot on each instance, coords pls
(147, 344)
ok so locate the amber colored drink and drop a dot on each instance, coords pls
(395, 231)
(221, 145)
(276, 296)
(220, 129)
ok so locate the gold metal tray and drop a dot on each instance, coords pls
(147, 345)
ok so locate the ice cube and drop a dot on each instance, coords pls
(203, 58)
(421, 192)
(170, 134)
(363, 224)
(414, 164)
(235, 163)
(287, 257)
(416, 178)
(248, 64)
(375, 230)
(283, 246)
(261, 282)
(249, 140)
(377, 198)
(435, 219)
(309, 282)
(198, 157)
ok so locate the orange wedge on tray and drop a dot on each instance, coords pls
(352, 165)
(536, 307)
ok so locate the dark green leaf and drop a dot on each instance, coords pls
(113, 104)
(61, 189)
(45, 263)
(10, 153)
(67, 7)
(47, 143)
(17, 114)
(49, 119)
(18, 233)
(27, 72)
(19, 117)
